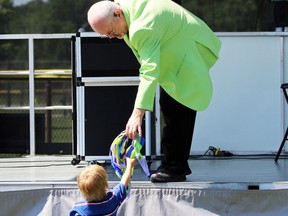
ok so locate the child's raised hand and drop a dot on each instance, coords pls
(131, 162)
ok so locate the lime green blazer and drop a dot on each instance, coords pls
(174, 48)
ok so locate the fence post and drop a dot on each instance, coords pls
(31, 96)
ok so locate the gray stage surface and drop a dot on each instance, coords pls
(238, 185)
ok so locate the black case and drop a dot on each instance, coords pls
(105, 78)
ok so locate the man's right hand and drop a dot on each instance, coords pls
(134, 123)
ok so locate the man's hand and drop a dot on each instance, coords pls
(134, 123)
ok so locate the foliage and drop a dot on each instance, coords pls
(52, 16)
(6, 10)
(64, 16)
(233, 16)
(67, 16)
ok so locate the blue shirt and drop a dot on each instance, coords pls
(108, 206)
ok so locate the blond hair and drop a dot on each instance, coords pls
(92, 183)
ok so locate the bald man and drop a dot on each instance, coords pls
(176, 50)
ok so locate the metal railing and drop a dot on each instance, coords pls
(31, 74)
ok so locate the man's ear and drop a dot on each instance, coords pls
(117, 13)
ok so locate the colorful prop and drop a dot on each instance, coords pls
(123, 147)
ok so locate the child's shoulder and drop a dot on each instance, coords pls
(81, 201)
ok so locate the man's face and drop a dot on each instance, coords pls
(116, 27)
(114, 31)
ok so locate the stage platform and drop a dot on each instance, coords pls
(237, 185)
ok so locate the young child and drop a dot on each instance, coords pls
(93, 185)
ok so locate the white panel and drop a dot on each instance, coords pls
(285, 59)
(285, 80)
(245, 111)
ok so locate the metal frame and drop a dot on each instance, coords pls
(84, 82)
(30, 38)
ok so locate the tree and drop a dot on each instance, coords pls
(6, 10)
(38, 16)
(233, 16)
(52, 16)
(67, 15)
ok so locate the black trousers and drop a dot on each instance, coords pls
(177, 133)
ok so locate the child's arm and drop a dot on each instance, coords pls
(127, 174)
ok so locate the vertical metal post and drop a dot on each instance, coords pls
(157, 122)
(148, 133)
(31, 96)
(282, 79)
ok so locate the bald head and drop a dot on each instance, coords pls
(101, 13)
(107, 18)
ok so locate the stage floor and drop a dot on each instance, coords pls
(237, 172)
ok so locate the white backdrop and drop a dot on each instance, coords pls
(246, 111)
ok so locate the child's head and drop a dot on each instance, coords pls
(92, 182)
